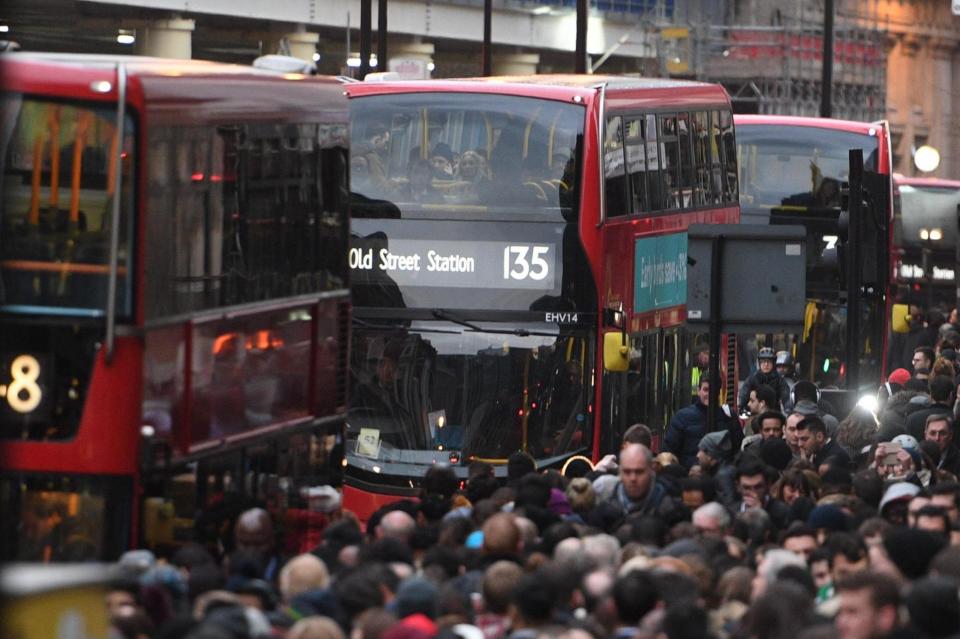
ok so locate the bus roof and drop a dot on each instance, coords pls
(926, 182)
(851, 126)
(556, 87)
(178, 90)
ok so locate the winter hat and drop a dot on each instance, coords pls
(416, 595)
(906, 441)
(558, 503)
(896, 492)
(806, 408)
(717, 445)
(899, 376)
(827, 516)
(912, 550)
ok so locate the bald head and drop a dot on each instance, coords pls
(636, 471)
(301, 574)
(396, 524)
(254, 531)
(501, 535)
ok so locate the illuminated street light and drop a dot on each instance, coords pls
(926, 158)
(936, 235)
(924, 234)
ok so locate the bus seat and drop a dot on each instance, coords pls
(23, 283)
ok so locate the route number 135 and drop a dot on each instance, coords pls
(525, 262)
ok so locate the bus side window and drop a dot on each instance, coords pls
(615, 182)
(730, 189)
(636, 166)
(671, 161)
(701, 156)
(686, 183)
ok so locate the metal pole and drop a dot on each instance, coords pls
(487, 30)
(381, 35)
(580, 65)
(854, 240)
(716, 283)
(366, 11)
(826, 78)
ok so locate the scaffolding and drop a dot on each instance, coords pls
(777, 70)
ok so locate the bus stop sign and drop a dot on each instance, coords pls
(747, 278)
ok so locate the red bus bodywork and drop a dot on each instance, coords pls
(607, 240)
(109, 441)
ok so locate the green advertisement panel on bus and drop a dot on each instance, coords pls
(660, 272)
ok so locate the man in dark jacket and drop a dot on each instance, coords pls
(816, 446)
(689, 425)
(766, 374)
(637, 491)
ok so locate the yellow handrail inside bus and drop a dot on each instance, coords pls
(83, 126)
(55, 157)
(424, 134)
(34, 217)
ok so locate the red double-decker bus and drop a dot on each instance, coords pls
(793, 171)
(926, 234)
(503, 231)
(174, 301)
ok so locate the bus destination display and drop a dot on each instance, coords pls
(439, 263)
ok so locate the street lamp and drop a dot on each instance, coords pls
(926, 158)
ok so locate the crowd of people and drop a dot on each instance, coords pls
(796, 523)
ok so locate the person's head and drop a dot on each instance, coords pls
(519, 464)
(396, 524)
(793, 484)
(771, 424)
(301, 574)
(848, 555)
(939, 429)
(752, 482)
(801, 540)
(635, 594)
(762, 398)
(471, 165)
(784, 362)
(315, 628)
(946, 495)
(811, 434)
(934, 519)
(254, 531)
(942, 389)
(923, 357)
(790, 430)
(934, 607)
(638, 434)
(442, 159)
(498, 581)
(636, 470)
(772, 562)
(869, 606)
(703, 391)
(713, 449)
(378, 135)
(766, 359)
(711, 520)
(696, 491)
(501, 535)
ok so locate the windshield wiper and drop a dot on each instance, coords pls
(443, 314)
(399, 327)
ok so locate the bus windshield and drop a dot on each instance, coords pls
(797, 167)
(451, 155)
(438, 388)
(930, 208)
(59, 180)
